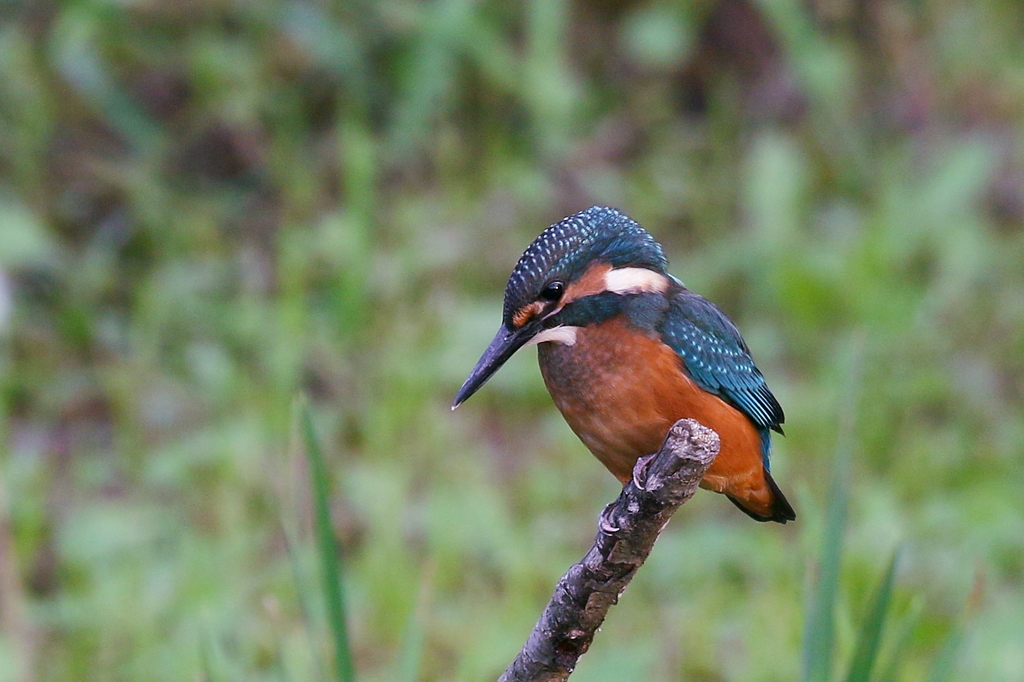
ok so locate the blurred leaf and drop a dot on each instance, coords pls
(776, 182)
(75, 53)
(329, 552)
(658, 35)
(334, 44)
(210, 662)
(874, 625)
(960, 177)
(25, 237)
(411, 654)
(428, 89)
(902, 642)
(819, 627)
(307, 594)
(548, 85)
(944, 667)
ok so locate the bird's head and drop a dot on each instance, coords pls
(597, 251)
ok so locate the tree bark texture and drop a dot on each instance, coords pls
(627, 530)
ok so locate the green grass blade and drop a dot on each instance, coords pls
(210, 662)
(330, 557)
(819, 623)
(906, 633)
(412, 652)
(305, 594)
(819, 626)
(945, 665)
(206, 658)
(870, 638)
(412, 648)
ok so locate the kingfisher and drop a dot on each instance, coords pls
(626, 351)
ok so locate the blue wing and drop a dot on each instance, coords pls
(717, 359)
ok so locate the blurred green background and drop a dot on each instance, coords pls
(209, 207)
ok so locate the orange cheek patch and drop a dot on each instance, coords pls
(591, 282)
(524, 314)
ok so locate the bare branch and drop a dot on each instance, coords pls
(626, 533)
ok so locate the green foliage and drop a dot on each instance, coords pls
(207, 208)
(819, 659)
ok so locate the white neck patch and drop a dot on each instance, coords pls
(563, 335)
(635, 281)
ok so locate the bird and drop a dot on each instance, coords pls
(626, 350)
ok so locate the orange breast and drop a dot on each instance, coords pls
(620, 391)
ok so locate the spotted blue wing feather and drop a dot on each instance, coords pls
(717, 359)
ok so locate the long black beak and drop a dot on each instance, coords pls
(506, 342)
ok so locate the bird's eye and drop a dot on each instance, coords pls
(552, 292)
